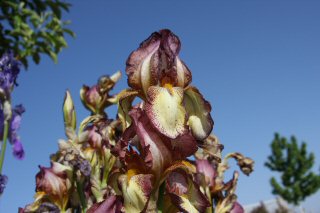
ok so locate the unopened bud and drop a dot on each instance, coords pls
(69, 113)
(7, 111)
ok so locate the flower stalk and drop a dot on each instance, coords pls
(10, 117)
(82, 196)
(4, 144)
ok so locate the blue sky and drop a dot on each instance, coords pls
(257, 62)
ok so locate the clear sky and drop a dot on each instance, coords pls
(257, 62)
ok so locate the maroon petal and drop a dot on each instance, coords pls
(121, 146)
(185, 193)
(141, 72)
(159, 146)
(52, 180)
(91, 98)
(184, 146)
(156, 62)
(204, 167)
(112, 204)
(172, 71)
(237, 208)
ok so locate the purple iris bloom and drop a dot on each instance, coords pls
(9, 70)
(3, 182)
(18, 151)
(14, 126)
(14, 139)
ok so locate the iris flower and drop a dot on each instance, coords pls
(142, 160)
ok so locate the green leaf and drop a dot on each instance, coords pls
(70, 32)
(34, 27)
(36, 57)
(53, 56)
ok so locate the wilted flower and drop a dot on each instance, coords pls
(82, 165)
(97, 98)
(246, 164)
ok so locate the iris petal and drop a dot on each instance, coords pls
(126, 98)
(140, 69)
(185, 193)
(158, 145)
(165, 110)
(136, 191)
(198, 109)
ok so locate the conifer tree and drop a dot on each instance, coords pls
(294, 163)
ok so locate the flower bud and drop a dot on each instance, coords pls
(91, 98)
(7, 111)
(69, 113)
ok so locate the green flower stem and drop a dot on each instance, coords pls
(208, 193)
(81, 196)
(161, 197)
(4, 144)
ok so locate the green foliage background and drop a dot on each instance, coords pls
(31, 28)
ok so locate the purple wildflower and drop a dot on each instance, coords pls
(3, 182)
(16, 118)
(9, 70)
(14, 139)
(14, 126)
(18, 150)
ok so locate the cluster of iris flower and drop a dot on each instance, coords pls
(158, 155)
(10, 117)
